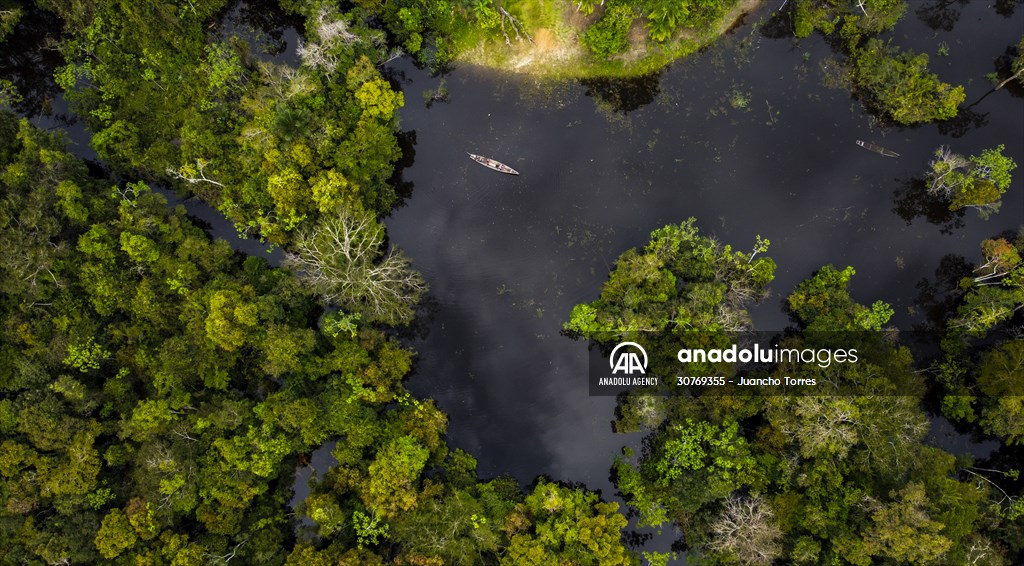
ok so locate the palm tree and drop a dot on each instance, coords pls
(587, 6)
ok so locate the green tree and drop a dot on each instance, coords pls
(454, 528)
(665, 18)
(115, 535)
(850, 18)
(1016, 66)
(680, 280)
(1001, 372)
(394, 475)
(904, 531)
(610, 34)
(10, 14)
(995, 290)
(567, 526)
(823, 304)
(976, 182)
(898, 85)
(232, 320)
(158, 389)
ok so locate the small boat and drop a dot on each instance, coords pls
(877, 149)
(492, 164)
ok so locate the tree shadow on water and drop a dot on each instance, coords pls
(426, 312)
(265, 16)
(937, 299)
(964, 121)
(28, 60)
(624, 95)
(940, 14)
(1004, 69)
(912, 200)
(779, 25)
(1005, 8)
(403, 188)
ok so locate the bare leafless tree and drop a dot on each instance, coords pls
(330, 31)
(193, 174)
(978, 552)
(517, 27)
(946, 173)
(284, 82)
(746, 530)
(341, 260)
(823, 425)
(1001, 259)
(732, 317)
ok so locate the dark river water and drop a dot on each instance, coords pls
(507, 257)
(744, 137)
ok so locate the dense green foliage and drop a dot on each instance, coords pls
(681, 288)
(1016, 66)
(426, 29)
(898, 85)
(680, 280)
(143, 367)
(435, 31)
(438, 31)
(843, 476)
(144, 370)
(10, 14)
(894, 84)
(158, 391)
(609, 35)
(665, 20)
(168, 101)
(482, 523)
(667, 17)
(983, 381)
(851, 18)
(978, 181)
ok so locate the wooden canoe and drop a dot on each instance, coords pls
(877, 149)
(492, 164)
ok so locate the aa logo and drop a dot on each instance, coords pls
(627, 361)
